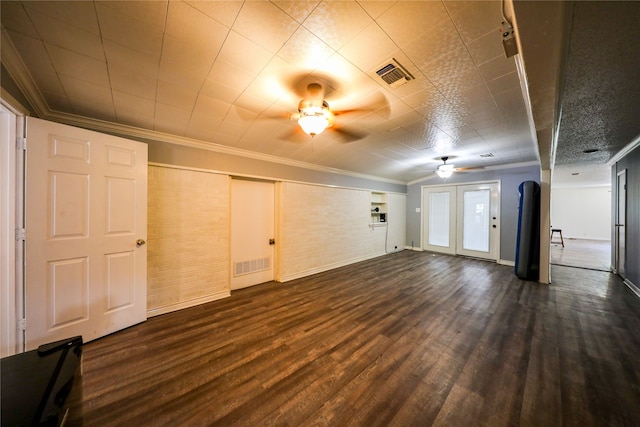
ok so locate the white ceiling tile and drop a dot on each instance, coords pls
(171, 120)
(152, 13)
(86, 96)
(497, 67)
(376, 8)
(245, 54)
(305, 51)
(265, 24)
(34, 53)
(359, 50)
(224, 12)
(408, 20)
(297, 9)
(133, 110)
(15, 17)
(435, 47)
(486, 47)
(222, 92)
(197, 55)
(131, 71)
(231, 132)
(474, 19)
(175, 95)
(505, 82)
(138, 78)
(207, 115)
(184, 64)
(78, 13)
(201, 29)
(127, 31)
(230, 74)
(82, 67)
(49, 81)
(337, 22)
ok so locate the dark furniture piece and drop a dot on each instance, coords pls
(36, 385)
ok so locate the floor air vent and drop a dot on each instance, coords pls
(394, 74)
(251, 266)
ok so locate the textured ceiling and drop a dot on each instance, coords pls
(229, 73)
(601, 99)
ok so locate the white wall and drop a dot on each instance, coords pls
(323, 228)
(319, 228)
(582, 212)
(188, 221)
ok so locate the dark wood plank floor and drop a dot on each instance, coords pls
(407, 339)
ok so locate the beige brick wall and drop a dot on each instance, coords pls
(188, 238)
(323, 228)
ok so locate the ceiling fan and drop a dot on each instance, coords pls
(445, 170)
(315, 116)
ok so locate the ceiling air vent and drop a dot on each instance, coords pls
(394, 74)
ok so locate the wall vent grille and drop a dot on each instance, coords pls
(394, 74)
(247, 267)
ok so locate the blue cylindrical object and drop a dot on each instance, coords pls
(528, 244)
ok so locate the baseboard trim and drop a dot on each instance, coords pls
(327, 267)
(411, 248)
(506, 262)
(632, 286)
(187, 304)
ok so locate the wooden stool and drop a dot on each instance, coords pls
(559, 231)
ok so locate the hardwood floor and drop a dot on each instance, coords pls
(411, 338)
(582, 253)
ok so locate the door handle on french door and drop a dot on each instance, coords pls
(272, 241)
(140, 242)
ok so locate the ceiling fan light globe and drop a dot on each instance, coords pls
(313, 124)
(444, 171)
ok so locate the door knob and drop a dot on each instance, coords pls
(272, 241)
(140, 242)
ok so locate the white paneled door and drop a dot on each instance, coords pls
(462, 220)
(252, 232)
(86, 226)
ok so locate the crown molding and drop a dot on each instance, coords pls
(21, 76)
(626, 150)
(127, 131)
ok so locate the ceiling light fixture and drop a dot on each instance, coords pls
(444, 170)
(314, 119)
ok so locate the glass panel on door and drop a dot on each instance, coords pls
(475, 232)
(439, 219)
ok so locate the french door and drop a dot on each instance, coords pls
(462, 220)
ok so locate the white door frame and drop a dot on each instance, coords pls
(620, 226)
(11, 219)
(495, 201)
